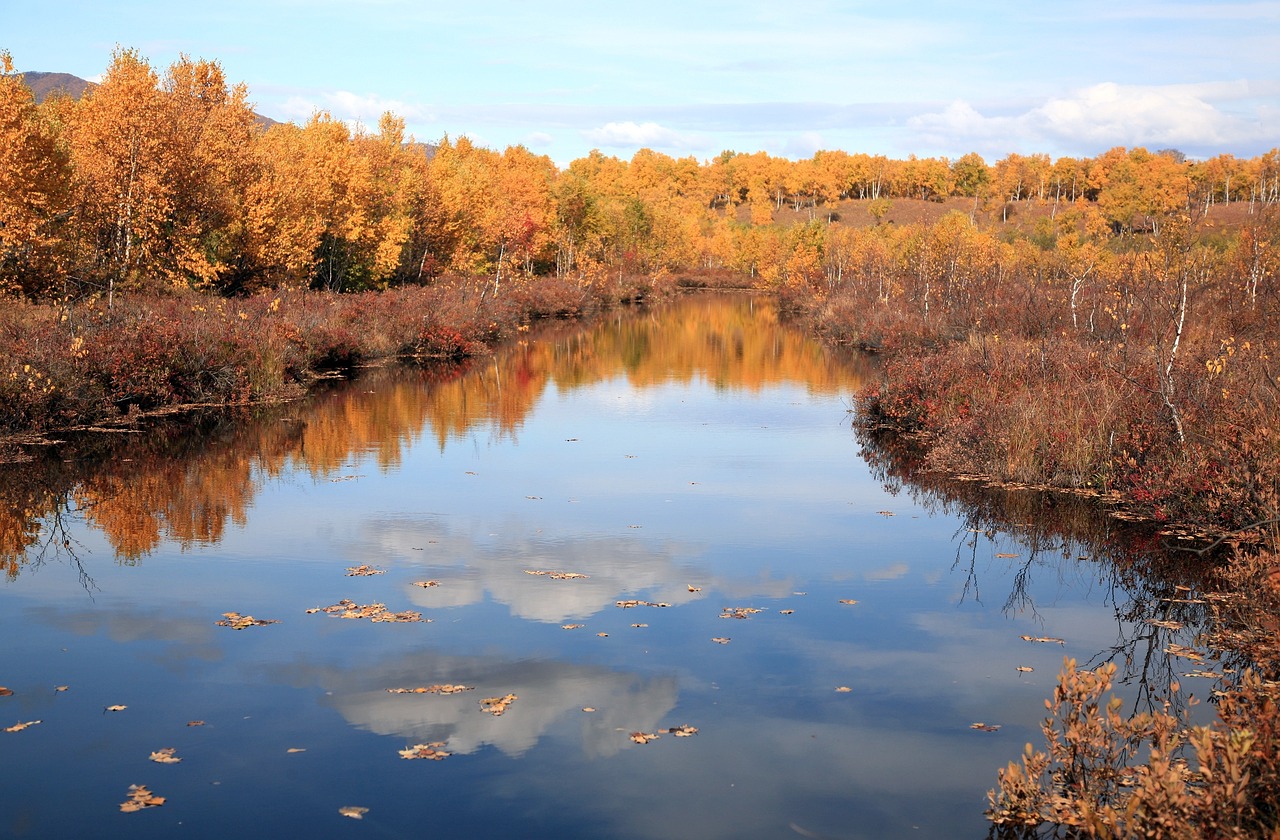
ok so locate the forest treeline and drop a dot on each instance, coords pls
(152, 181)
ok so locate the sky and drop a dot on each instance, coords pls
(696, 77)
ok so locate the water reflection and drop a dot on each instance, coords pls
(189, 483)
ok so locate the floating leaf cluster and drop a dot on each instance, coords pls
(236, 621)
(1044, 639)
(432, 689)
(557, 575)
(739, 612)
(165, 756)
(355, 812)
(139, 798)
(633, 603)
(497, 705)
(684, 730)
(426, 584)
(364, 570)
(374, 612)
(432, 751)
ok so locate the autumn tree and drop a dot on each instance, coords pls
(33, 183)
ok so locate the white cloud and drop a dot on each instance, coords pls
(538, 139)
(636, 134)
(1108, 114)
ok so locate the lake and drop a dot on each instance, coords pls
(657, 523)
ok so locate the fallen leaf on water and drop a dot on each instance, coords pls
(848, 601)
(843, 689)
(356, 812)
(1167, 625)
(138, 798)
(292, 750)
(1026, 669)
(6, 692)
(644, 737)
(236, 621)
(1045, 639)
(684, 730)
(115, 708)
(695, 588)
(364, 570)
(62, 688)
(721, 640)
(603, 635)
(557, 575)
(373, 612)
(18, 727)
(446, 688)
(1212, 675)
(426, 584)
(497, 705)
(572, 626)
(1006, 555)
(195, 723)
(430, 751)
(533, 497)
(985, 727)
(165, 756)
(588, 709)
(639, 625)
(885, 512)
(1184, 652)
(629, 604)
(786, 612)
(739, 612)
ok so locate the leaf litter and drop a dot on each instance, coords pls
(446, 688)
(138, 798)
(497, 705)
(364, 570)
(374, 612)
(431, 752)
(165, 755)
(236, 621)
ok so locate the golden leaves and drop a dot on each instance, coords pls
(139, 798)
(1024, 669)
(848, 601)
(6, 692)
(426, 584)
(721, 640)
(166, 755)
(843, 689)
(364, 570)
(684, 730)
(236, 621)
(572, 626)
(1043, 639)
(355, 812)
(433, 689)
(18, 727)
(557, 575)
(1184, 652)
(626, 605)
(374, 612)
(497, 705)
(739, 612)
(431, 752)
(116, 708)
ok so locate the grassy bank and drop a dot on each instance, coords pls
(86, 364)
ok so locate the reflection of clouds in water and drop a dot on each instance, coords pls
(617, 568)
(899, 779)
(184, 639)
(547, 691)
(892, 572)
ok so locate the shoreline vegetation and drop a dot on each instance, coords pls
(1103, 327)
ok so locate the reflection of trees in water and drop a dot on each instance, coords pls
(187, 480)
(1153, 591)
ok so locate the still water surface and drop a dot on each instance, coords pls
(700, 457)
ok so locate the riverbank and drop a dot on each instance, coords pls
(84, 365)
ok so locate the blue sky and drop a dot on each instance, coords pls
(563, 77)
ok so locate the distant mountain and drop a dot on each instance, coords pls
(44, 85)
